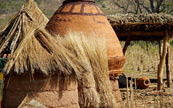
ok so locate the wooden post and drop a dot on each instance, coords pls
(160, 49)
(131, 92)
(162, 60)
(168, 73)
(126, 45)
(127, 86)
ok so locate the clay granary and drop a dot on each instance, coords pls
(84, 16)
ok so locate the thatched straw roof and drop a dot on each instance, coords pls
(39, 51)
(142, 24)
(141, 19)
(27, 19)
(30, 48)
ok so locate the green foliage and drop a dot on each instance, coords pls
(10, 6)
(103, 6)
(4, 21)
(39, 1)
(171, 42)
(99, 1)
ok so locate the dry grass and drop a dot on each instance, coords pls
(38, 51)
(144, 60)
(147, 98)
(141, 18)
(92, 51)
(26, 20)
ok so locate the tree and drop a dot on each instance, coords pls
(145, 6)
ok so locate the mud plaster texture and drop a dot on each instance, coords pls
(87, 18)
(55, 91)
(116, 91)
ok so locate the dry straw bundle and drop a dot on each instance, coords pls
(92, 51)
(144, 22)
(39, 51)
(26, 20)
(33, 49)
(140, 18)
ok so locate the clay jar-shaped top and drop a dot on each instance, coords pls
(79, 0)
(69, 1)
(84, 16)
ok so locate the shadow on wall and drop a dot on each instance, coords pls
(50, 90)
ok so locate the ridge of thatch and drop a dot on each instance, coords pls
(28, 18)
(141, 22)
(39, 51)
(141, 18)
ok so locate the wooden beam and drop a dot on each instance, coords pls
(162, 60)
(126, 45)
(168, 73)
(139, 38)
(140, 33)
(140, 23)
(171, 32)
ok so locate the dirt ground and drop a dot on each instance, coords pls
(146, 98)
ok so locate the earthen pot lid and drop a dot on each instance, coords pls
(69, 1)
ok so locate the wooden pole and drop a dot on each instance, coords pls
(131, 93)
(160, 49)
(168, 73)
(127, 86)
(135, 94)
(162, 60)
(126, 45)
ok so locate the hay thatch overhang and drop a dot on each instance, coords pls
(26, 20)
(149, 27)
(29, 48)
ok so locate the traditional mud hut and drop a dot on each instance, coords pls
(43, 71)
(146, 27)
(37, 65)
(84, 16)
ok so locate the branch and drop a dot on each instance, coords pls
(147, 8)
(159, 3)
(161, 10)
(171, 12)
(125, 8)
(138, 6)
(152, 5)
(122, 7)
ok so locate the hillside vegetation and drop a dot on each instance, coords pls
(9, 7)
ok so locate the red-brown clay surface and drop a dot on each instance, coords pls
(54, 92)
(143, 82)
(116, 91)
(87, 18)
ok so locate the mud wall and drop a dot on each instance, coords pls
(53, 91)
(116, 91)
